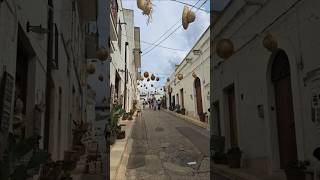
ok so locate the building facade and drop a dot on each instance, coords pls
(125, 56)
(192, 92)
(265, 95)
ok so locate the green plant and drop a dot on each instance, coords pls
(116, 112)
(22, 158)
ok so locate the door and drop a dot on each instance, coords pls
(284, 109)
(182, 100)
(197, 85)
(232, 117)
(216, 119)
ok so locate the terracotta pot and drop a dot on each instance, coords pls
(295, 175)
(234, 162)
(121, 135)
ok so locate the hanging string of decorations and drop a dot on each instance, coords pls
(146, 7)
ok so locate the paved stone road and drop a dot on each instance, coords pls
(163, 145)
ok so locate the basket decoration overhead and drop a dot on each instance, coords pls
(146, 7)
(187, 17)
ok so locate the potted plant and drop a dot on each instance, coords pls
(220, 158)
(234, 157)
(183, 111)
(296, 170)
(113, 127)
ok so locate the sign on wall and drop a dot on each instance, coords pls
(6, 95)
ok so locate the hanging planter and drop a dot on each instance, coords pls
(270, 42)
(148, 79)
(194, 75)
(91, 68)
(102, 54)
(151, 85)
(100, 77)
(225, 48)
(153, 77)
(146, 74)
(157, 79)
(187, 17)
(180, 76)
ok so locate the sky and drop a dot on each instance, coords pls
(166, 13)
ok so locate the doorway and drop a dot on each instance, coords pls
(182, 100)
(233, 132)
(197, 86)
(280, 76)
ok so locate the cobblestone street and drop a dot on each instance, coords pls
(162, 147)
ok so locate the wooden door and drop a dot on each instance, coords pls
(197, 85)
(284, 109)
(182, 98)
(232, 117)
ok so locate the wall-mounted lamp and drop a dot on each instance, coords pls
(197, 52)
(36, 29)
(188, 60)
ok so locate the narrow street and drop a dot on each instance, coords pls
(163, 145)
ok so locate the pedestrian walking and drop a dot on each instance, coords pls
(155, 104)
(159, 104)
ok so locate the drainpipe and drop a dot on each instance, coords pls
(125, 76)
(48, 75)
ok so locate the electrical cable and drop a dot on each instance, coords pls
(169, 34)
(170, 28)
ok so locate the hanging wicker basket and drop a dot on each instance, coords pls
(91, 68)
(168, 79)
(270, 42)
(151, 85)
(180, 76)
(148, 79)
(153, 77)
(225, 48)
(146, 74)
(157, 79)
(102, 54)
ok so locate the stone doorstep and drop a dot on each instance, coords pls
(117, 150)
(192, 120)
(242, 174)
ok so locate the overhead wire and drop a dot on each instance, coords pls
(170, 33)
(147, 49)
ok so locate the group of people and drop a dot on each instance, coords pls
(153, 104)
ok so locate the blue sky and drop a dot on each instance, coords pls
(165, 14)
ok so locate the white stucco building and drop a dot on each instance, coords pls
(192, 92)
(266, 102)
(125, 56)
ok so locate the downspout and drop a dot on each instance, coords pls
(125, 76)
(48, 75)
